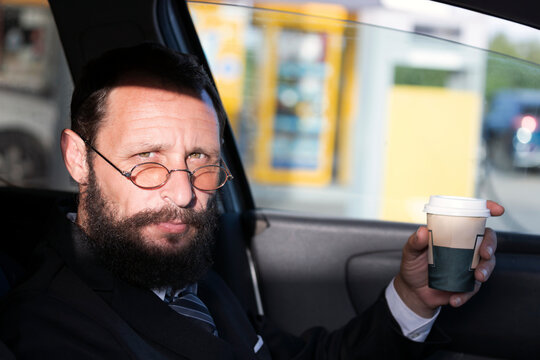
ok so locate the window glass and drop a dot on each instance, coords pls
(35, 89)
(365, 112)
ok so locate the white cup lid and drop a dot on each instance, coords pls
(456, 206)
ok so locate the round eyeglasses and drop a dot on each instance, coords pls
(153, 175)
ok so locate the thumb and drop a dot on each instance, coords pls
(418, 241)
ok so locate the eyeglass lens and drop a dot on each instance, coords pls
(150, 175)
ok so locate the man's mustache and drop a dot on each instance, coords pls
(188, 216)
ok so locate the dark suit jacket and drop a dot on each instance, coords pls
(71, 308)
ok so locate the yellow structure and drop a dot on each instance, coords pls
(298, 93)
(222, 31)
(422, 156)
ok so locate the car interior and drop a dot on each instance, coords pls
(299, 270)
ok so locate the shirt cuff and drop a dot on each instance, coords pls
(412, 325)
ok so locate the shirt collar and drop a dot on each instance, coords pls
(160, 293)
(163, 292)
(72, 216)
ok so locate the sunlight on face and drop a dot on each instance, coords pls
(146, 123)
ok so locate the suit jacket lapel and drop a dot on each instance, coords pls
(230, 317)
(156, 321)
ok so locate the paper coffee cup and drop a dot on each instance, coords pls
(456, 228)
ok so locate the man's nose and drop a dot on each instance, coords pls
(178, 189)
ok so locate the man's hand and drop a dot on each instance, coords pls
(412, 281)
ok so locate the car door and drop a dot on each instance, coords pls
(327, 250)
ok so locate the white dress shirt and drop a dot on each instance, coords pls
(412, 325)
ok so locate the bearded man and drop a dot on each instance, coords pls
(127, 274)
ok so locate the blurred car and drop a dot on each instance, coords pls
(27, 125)
(29, 78)
(511, 128)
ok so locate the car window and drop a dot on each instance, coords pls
(365, 112)
(35, 88)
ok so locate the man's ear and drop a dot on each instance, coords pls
(74, 153)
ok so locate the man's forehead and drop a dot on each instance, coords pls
(133, 105)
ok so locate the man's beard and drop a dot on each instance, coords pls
(121, 248)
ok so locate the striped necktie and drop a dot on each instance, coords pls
(188, 304)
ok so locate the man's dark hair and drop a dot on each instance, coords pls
(180, 71)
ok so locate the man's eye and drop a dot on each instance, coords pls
(145, 155)
(197, 156)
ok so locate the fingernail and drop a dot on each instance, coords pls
(457, 301)
(484, 272)
(490, 250)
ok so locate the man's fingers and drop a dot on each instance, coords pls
(495, 208)
(418, 241)
(484, 269)
(457, 300)
(489, 244)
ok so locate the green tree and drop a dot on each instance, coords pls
(512, 65)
